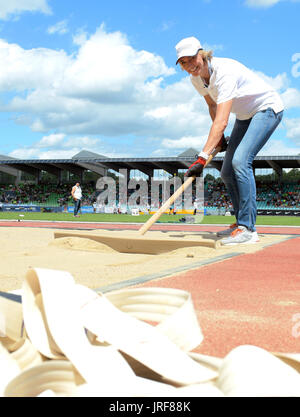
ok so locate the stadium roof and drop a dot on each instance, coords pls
(86, 160)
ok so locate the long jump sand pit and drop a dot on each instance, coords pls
(97, 265)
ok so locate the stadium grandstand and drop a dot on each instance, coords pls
(45, 185)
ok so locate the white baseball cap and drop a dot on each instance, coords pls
(187, 47)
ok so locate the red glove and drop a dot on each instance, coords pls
(195, 170)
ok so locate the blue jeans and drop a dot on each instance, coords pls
(77, 205)
(246, 140)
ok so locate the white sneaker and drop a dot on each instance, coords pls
(255, 237)
(241, 235)
(228, 231)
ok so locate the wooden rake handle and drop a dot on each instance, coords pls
(173, 198)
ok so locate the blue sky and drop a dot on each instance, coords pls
(101, 75)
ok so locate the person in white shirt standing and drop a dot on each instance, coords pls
(77, 196)
(230, 87)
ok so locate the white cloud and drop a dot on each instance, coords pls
(165, 26)
(34, 153)
(293, 130)
(280, 82)
(275, 147)
(80, 37)
(215, 47)
(82, 142)
(185, 142)
(291, 98)
(51, 140)
(178, 120)
(23, 153)
(61, 28)
(103, 89)
(56, 146)
(159, 112)
(296, 67)
(106, 89)
(9, 8)
(30, 69)
(107, 65)
(265, 3)
(261, 3)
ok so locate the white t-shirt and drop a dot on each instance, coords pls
(231, 80)
(77, 193)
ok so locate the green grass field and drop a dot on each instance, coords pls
(124, 218)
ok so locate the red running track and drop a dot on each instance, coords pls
(249, 299)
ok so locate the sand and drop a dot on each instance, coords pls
(96, 265)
